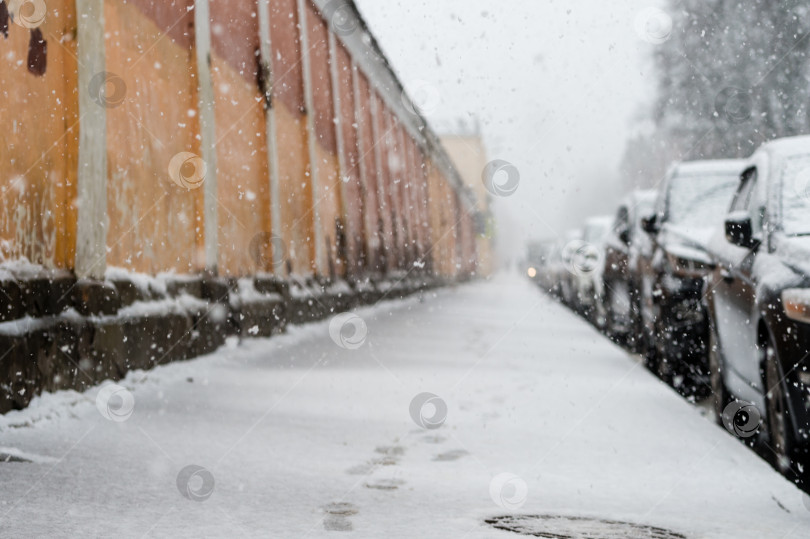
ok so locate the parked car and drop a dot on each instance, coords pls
(690, 206)
(759, 299)
(539, 257)
(587, 266)
(564, 274)
(620, 268)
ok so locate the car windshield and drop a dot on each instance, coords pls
(796, 196)
(700, 201)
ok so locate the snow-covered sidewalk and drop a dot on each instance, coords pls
(298, 436)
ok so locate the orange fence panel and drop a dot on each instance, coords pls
(39, 120)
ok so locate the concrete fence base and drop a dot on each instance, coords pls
(59, 333)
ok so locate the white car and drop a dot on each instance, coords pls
(587, 266)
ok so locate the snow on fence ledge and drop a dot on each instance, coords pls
(64, 333)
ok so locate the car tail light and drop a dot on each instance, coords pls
(796, 302)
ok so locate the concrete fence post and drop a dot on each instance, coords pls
(205, 88)
(92, 224)
(341, 144)
(266, 58)
(359, 121)
(382, 203)
(309, 104)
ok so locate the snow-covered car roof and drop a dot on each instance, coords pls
(788, 146)
(597, 228)
(708, 166)
(600, 221)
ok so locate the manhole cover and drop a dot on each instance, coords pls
(562, 527)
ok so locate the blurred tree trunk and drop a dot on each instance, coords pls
(732, 75)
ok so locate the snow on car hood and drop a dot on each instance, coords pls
(795, 253)
(686, 241)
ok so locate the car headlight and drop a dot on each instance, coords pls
(532, 273)
(796, 302)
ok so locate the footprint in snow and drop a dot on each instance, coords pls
(385, 461)
(335, 523)
(450, 455)
(433, 439)
(341, 508)
(393, 450)
(368, 467)
(385, 484)
(337, 516)
(361, 469)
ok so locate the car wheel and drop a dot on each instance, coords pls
(720, 394)
(611, 324)
(600, 311)
(656, 337)
(648, 348)
(646, 334)
(778, 414)
(636, 341)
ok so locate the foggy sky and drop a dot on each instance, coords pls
(558, 86)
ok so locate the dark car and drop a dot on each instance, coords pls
(539, 256)
(570, 253)
(690, 206)
(620, 276)
(759, 299)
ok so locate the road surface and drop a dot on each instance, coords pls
(482, 402)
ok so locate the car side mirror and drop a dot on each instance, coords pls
(650, 224)
(740, 231)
